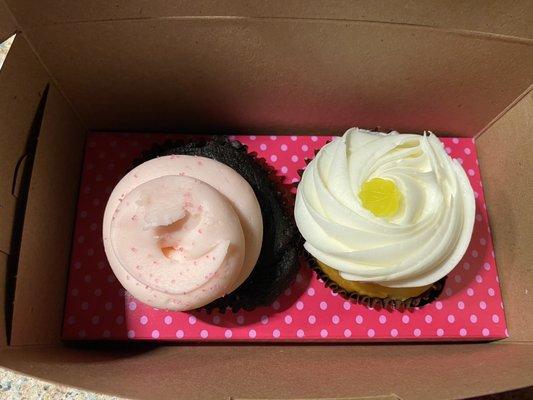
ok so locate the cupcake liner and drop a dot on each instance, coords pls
(376, 302)
(369, 301)
(280, 255)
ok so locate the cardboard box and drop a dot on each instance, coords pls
(256, 67)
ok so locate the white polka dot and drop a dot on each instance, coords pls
(288, 319)
(192, 320)
(252, 137)
(448, 150)
(300, 305)
(335, 319)
(495, 318)
(204, 334)
(460, 305)
(108, 306)
(252, 333)
(417, 332)
(110, 278)
(263, 146)
(276, 333)
(486, 266)
(273, 158)
(470, 292)
(167, 320)
(131, 334)
(371, 332)
(294, 158)
(74, 292)
(84, 305)
(449, 291)
(276, 305)
(100, 265)
(473, 318)
(323, 305)
(466, 266)
(394, 332)
(428, 318)
(478, 217)
(240, 319)
(347, 333)
(95, 320)
(273, 138)
(155, 333)
(311, 291)
(83, 214)
(143, 320)
(180, 334)
(71, 320)
(475, 253)
(287, 292)
(440, 332)
(467, 150)
(462, 332)
(294, 138)
(264, 319)
(305, 147)
(405, 319)
(455, 140)
(311, 319)
(476, 195)
(81, 239)
(451, 318)
(485, 332)
(438, 305)
(98, 292)
(106, 334)
(216, 319)
(457, 279)
(132, 306)
(482, 242)
(482, 305)
(323, 333)
(284, 170)
(491, 292)
(228, 333)
(283, 147)
(119, 320)
(382, 319)
(346, 305)
(314, 138)
(90, 252)
(459, 160)
(300, 333)
(359, 319)
(479, 279)
(471, 172)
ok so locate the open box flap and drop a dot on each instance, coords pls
(506, 18)
(275, 75)
(44, 257)
(506, 161)
(288, 372)
(22, 82)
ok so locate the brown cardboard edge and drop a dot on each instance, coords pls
(276, 372)
(504, 112)
(497, 18)
(48, 225)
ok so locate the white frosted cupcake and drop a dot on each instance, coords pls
(385, 215)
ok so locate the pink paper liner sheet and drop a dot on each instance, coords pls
(97, 307)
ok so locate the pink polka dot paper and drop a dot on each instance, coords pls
(97, 308)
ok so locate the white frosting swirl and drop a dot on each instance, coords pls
(422, 243)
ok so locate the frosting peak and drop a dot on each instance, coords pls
(424, 229)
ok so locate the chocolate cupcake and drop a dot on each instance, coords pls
(385, 217)
(221, 234)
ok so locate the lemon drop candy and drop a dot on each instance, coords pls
(381, 197)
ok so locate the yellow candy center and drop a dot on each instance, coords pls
(381, 197)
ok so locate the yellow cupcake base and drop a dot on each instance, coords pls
(371, 289)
